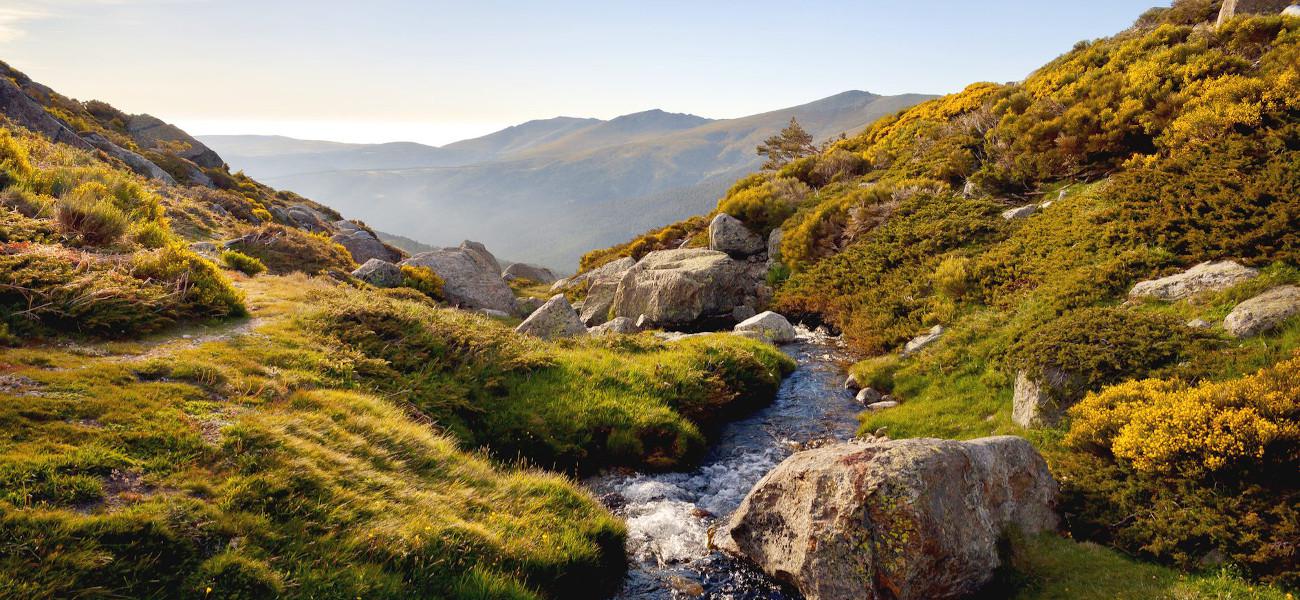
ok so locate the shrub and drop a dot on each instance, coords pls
(694, 230)
(285, 250)
(14, 163)
(952, 278)
(242, 262)
(423, 280)
(764, 207)
(199, 289)
(151, 234)
(89, 213)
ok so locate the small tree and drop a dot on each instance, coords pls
(792, 143)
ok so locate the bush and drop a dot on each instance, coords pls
(14, 163)
(151, 235)
(765, 206)
(242, 262)
(199, 289)
(89, 213)
(423, 280)
(286, 250)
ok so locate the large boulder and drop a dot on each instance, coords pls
(138, 163)
(1205, 277)
(555, 319)
(529, 272)
(619, 326)
(681, 287)
(379, 273)
(363, 246)
(152, 133)
(306, 217)
(599, 300)
(465, 282)
(769, 327)
(20, 108)
(1264, 312)
(1040, 400)
(612, 270)
(900, 520)
(728, 234)
(481, 255)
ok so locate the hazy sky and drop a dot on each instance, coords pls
(434, 71)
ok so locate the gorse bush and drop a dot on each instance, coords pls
(89, 214)
(242, 262)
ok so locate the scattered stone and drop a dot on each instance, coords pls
(1040, 402)
(529, 272)
(851, 382)
(1205, 277)
(620, 326)
(770, 327)
(681, 287)
(921, 341)
(882, 405)
(306, 217)
(555, 319)
(903, 519)
(1199, 324)
(466, 283)
(495, 314)
(728, 234)
(363, 246)
(1012, 214)
(379, 273)
(1264, 312)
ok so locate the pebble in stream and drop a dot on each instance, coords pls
(669, 515)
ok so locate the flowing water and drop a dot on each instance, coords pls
(669, 515)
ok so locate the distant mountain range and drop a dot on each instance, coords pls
(547, 190)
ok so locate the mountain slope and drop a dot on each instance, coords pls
(552, 199)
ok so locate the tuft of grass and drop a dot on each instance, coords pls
(89, 214)
(242, 262)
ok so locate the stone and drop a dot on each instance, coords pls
(1039, 401)
(600, 298)
(1264, 312)
(20, 108)
(379, 273)
(1019, 213)
(306, 217)
(728, 234)
(346, 226)
(611, 270)
(867, 396)
(1233, 8)
(882, 405)
(682, 287)
(769, 327)
(555, 319)
(1292, 11)
(774, 245)
(1199, 324)
(892, 519)
(529, 272)
(495, 314)
(138, 163)
(560, 285)
(465, 282)
(1200, 279)
(851, 382)
(643, 323)
(152, 133)
(481, 255)
(620, 325)
(526, 306)
(742, 313)
(921, 341)
(364, 247)
(208, 249)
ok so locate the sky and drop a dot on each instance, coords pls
(434, 71)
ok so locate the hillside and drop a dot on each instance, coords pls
(550, 189)
(1013, 222)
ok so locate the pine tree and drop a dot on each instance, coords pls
(792, 143)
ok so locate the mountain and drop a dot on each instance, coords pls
(549, 189)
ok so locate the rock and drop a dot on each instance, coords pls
(346, 226)
(742, 313)
(379, 273)
(851, 382)
(1019, 213)
(207, 249)
(728, 234)
(868, 396)
(600, 298)
(681, 287)
(526, 306)
(1231, 8)
(921, 341)
(1264, 312)
(1292, 11)
(465, 282)
(1205, 277)
(882, 405)
(1040, 401)
(770, 327)
(684, 586)
(152, 133)
(612, 270)
(774, 246)
(904, 519)
(481, 255)
(363, 246)
(555, 319)
(306, 217)
(138, 163)
(560, 285)
(620, 325)
(1199, 324)
(643, 323)
(529, 272)
(23, 110)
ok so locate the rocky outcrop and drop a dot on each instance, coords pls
(1264, 312)
(1203, 278)
(306, 217)
(363, 246)
(612, 270)
(619, 326)
(920, 342)
(379, 273)
(1039, 400)
(769, 327)
(529, 272)
(152, 133)
(21, 109)
(682, 287)
(901, 520)
(728, 234)
(1233, 8)
(137, 163)
(466, 283)
(555, 319)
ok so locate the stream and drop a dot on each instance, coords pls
(669, 514)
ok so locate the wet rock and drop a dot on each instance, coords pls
(379, 273)
(1264, 312)
(769, 327)
(904, 519)
(920, 342)
(1205, 277)
(851, 382)
(555, 319)
(728, 234)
